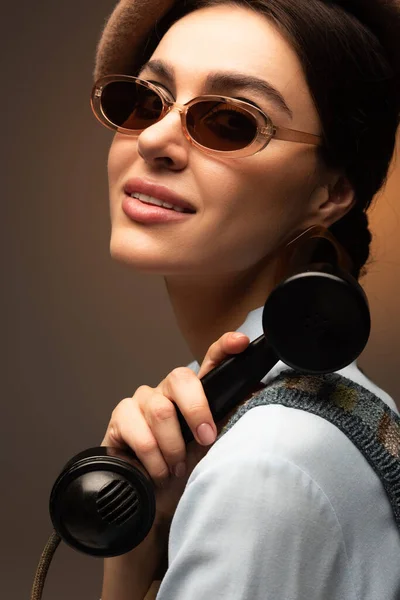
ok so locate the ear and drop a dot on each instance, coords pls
(331, 202)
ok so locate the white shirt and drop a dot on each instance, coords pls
(284, 507)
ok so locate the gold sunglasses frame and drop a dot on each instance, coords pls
(266, 130)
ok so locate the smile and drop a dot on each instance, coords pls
(150, 200)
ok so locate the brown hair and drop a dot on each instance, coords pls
(354, 88)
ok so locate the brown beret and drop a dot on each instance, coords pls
(125, 32)
(131, 22)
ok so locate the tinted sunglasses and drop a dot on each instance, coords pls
(215, 124)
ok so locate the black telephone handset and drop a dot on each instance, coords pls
(316, 320)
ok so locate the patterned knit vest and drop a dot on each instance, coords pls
(363, 417)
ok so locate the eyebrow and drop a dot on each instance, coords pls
(224, 79)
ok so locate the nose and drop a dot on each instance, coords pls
(165, 141)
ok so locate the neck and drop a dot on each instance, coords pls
(207, 307)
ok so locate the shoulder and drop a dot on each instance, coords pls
(296, 435)
(275, 493)
(317, 423)
(275, 452)
(260, 472)
(276, 522)
(301, 450)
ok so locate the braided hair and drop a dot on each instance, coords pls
(353, 232)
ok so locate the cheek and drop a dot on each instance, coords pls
(276, 181)
(263, 201)
(121, 156)
(288, 173)
(112, 162)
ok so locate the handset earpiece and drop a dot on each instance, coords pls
(316, 320)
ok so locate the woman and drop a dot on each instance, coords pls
(284, 505)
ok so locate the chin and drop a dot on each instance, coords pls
(125, 252)
(125, 256)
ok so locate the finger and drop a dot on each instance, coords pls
(184, 387)
(128, 427)
(227, 345)
(160, 413)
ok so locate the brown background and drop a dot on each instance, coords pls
(80, 331)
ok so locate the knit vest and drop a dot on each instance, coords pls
(363, 417)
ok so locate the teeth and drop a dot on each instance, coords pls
(150, 200)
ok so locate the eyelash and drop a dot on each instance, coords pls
(244, 99)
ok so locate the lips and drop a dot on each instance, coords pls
(160, 192)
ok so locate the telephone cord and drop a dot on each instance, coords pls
(44, 564)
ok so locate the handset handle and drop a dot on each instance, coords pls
(232, 380)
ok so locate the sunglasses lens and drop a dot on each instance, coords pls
(221, 126)
(216, 125)
(130, 105)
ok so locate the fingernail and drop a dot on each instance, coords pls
(180, 469)
(206, 433)
(237, 336)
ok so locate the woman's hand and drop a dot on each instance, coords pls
(148, 424)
